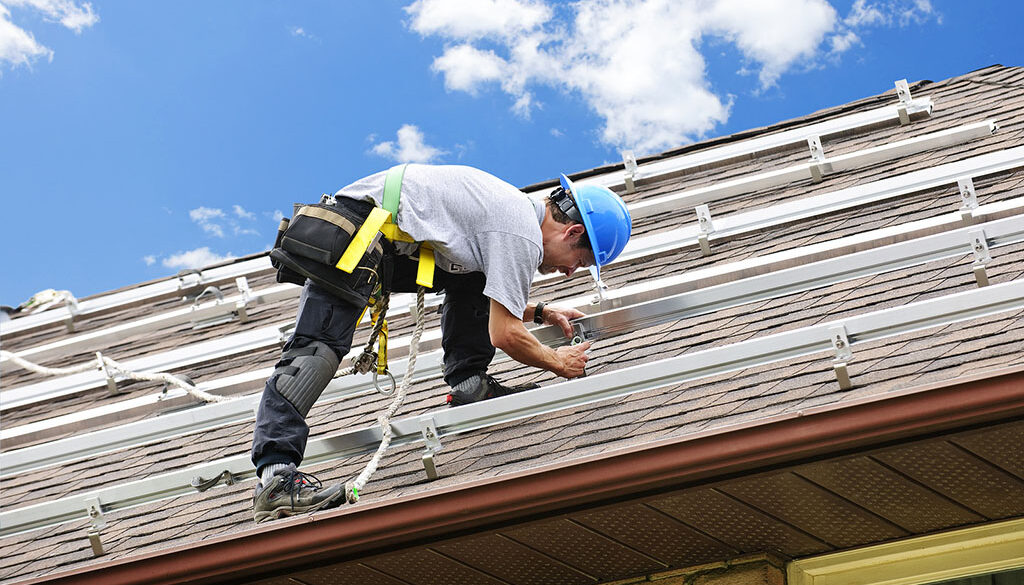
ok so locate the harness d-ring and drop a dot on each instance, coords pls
(377, 385)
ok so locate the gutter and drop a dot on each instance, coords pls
(345, 533)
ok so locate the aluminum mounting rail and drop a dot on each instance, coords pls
(234, 305)
(200, 352)
(139, 294)
(810, 170)
(752, 146)
(434, 426)
(627, 309)
(826, 203)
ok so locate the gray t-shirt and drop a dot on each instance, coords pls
(475, 222)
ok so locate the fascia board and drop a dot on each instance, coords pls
(934, 558)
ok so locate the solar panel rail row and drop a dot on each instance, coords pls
(433, 427)
(973, 167)
(644, 311)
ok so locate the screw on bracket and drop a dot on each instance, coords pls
(979, 246)
(706, 226)
(903, 92)
(432, 441)
(844, 353)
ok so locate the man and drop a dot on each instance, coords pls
(489, 239)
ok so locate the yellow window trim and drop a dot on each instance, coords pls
(926, 559)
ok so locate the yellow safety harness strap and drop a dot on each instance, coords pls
(382, 349)
(362, 240)
(425, 269)
(382, 219)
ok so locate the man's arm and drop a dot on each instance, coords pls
(510, 335)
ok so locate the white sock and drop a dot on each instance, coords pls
(468, 384)
(269, 471)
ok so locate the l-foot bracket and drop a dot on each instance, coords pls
(432, 441)
(841, 345)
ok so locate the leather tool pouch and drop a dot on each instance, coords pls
(311, 243)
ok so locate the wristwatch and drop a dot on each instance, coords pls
(538, 313)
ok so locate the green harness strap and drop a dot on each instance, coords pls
(393, 189)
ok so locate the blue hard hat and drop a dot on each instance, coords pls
(605, 218)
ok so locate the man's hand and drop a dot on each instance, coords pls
(573, 359)
(561, 316)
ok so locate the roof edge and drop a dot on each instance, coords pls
(783, 439)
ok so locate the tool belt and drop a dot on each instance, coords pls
(344, 251)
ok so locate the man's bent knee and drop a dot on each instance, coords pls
(309, 371)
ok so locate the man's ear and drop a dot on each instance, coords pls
(575, 230)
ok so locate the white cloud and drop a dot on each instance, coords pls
(198, 258)
(466, 68)
(204, 216)
(216, 222)
(298, 31)
(889, 12)
(638, 63)
(149, 260)
(477, 19)
(19, 46)
(66, 12)
(410, 147)
(242, 213)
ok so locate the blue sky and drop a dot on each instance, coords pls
(138, 138)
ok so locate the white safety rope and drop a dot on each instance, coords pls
(112, 368)
(353, 488)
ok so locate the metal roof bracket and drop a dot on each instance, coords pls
(95, 512)
(903, 91)
(189, 279)
(599, 285)
(285, 332)
(579, 333)
(969, 197)
(629, 160)
(841, 345)
(243, 288)
(432, 441)
(71, 304)
(979, 245)
(707, 227)
(111, 382)
(817, 158)
(202, 485)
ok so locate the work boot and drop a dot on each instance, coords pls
(482, 387)
(292, 492)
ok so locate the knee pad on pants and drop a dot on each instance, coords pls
(303, 380)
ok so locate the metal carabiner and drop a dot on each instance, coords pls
(377, 385)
